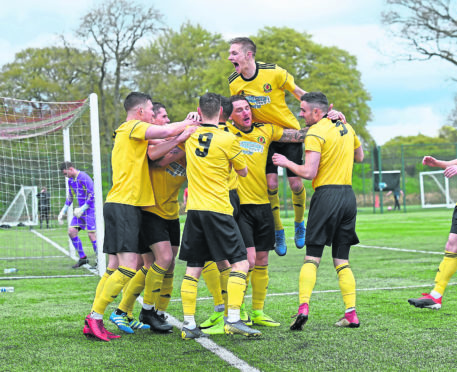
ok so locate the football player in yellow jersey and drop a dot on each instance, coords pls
(122, 210)
(264, 86)
(210, 232)
(256, 219)
(160, 233)
(331, 149)
(448, 265)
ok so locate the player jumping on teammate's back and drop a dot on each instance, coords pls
(331, 149)
(264, 86)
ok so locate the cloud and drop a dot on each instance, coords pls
(409, 121)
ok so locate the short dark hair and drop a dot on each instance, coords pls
(156, 106)
(66, 165)
(238, 98)
(134, 99)
(316, 99)
(248, 44)
(210, 104)
(227, 108)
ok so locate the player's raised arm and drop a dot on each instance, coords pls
(293, 135)
(298, 92)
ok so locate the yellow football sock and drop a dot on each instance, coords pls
(102, 281)
(346, 281)
(154, 280)
(299, 202)
(447, 268)
(307, 281)
(112, 288)
(273, 196)
(131, 292)
(189, 295)
(165, 292)
(259, 286)
(212, 279)
(235, 289)
(224, 277)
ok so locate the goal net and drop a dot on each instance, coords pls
(35, 137)
(437, 190)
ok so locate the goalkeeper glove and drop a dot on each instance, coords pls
(62, 213)
(78, 212)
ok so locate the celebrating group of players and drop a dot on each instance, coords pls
(229, 152)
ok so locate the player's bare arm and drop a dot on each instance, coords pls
(307, 171)
(358, 154)
(174, 154)
(293, 135)
(158, 150)
(432, 162)
(298, 92)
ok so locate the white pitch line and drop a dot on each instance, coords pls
(397, 249)
(54, 244)
(210, 345)
(63, 250)
(329, 291)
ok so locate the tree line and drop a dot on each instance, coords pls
(176, 66)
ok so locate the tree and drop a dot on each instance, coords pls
(178, 67)
(428, 27)
(317, 68)
(112, 31)
(48, 74)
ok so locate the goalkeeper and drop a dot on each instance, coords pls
(81, 186)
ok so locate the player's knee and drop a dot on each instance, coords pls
(296, 185)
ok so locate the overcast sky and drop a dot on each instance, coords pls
(408, 98)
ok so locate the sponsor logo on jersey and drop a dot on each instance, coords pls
(267, 88)
(176, 169)
(250, 148)
(258, 101)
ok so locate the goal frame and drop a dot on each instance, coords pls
(445, 190)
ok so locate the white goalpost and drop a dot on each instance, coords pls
(35, 137)
(437, 190)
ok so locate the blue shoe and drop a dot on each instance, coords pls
(136, 324)
(280, 246)
(121, 321)
(300, 232)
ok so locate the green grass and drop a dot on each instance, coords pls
(42, 320)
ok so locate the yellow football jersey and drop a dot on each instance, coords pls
(166, 182)
(336, 142)
(210, 153)
(252, 189)
(265, 92)
(233, 176)
(131, 183)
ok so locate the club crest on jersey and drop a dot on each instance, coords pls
(267, 88)
(261, 140)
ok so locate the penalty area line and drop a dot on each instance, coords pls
(211, 346)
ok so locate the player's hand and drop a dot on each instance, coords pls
(186, 134)
(78, 212)
(335, 115)
(193, 118)
(60, 218)
(429, 160)
(280, 160)
(450, 171)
